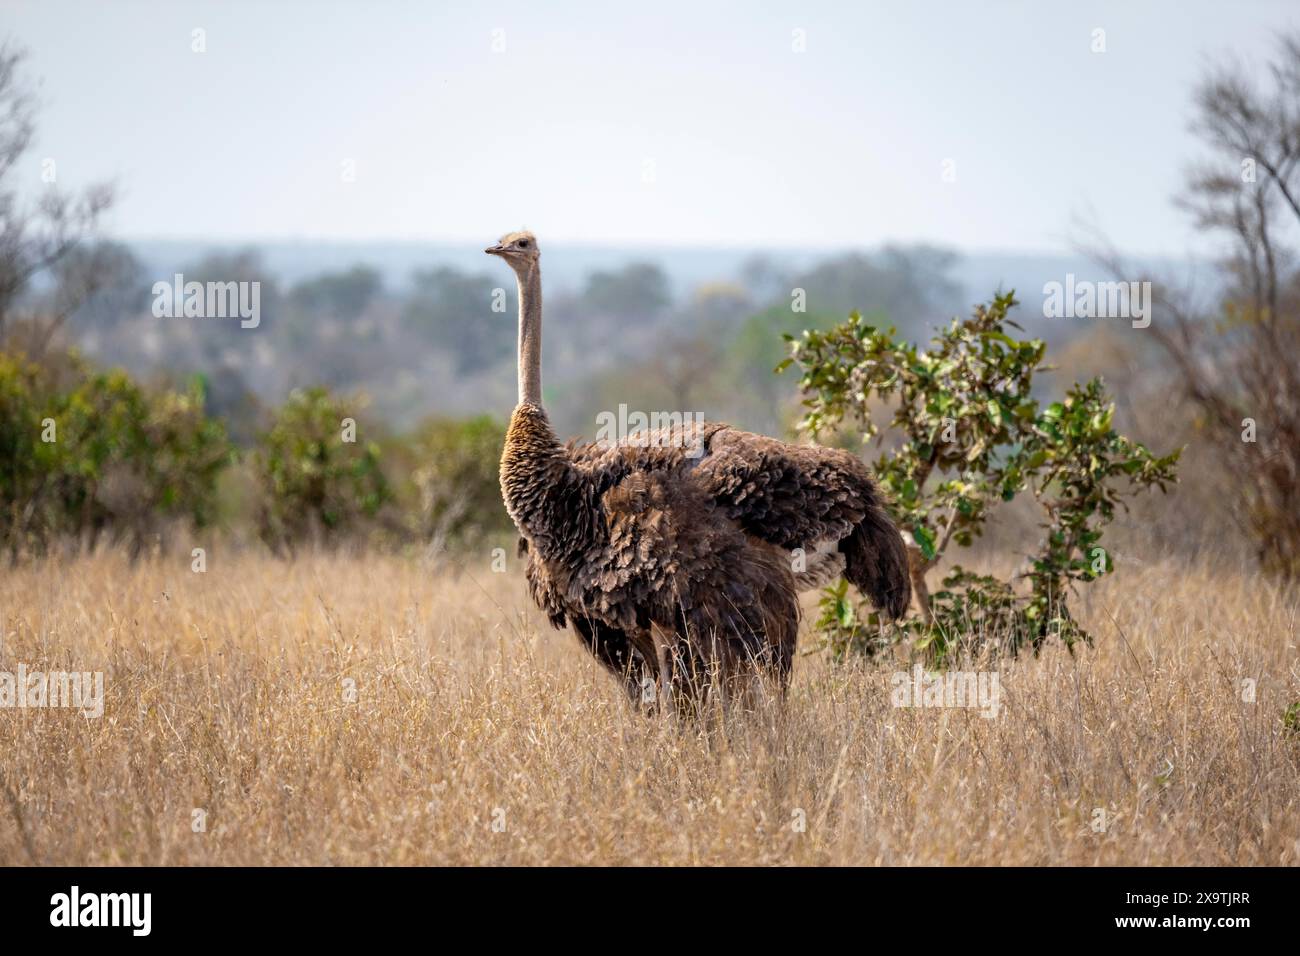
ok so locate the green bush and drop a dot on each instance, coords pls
(119, 457)
(27, 464)
(449, 486)
(973, 435)
(1291, 718)
(317, 471)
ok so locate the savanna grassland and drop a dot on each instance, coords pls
(477, 734)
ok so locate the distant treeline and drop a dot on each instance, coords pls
(445, 340)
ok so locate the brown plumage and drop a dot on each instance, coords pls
(676, 554)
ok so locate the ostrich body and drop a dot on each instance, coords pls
(673, 552)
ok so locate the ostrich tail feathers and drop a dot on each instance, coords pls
(876, 562)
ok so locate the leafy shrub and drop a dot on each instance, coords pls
(973, 435)
(121, 457)
(451, 493)
(1291, 718)
(317, 473)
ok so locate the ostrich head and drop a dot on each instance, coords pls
(518, 249)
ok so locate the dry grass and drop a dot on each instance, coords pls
(225, 691)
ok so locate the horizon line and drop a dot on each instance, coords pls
(650, 244)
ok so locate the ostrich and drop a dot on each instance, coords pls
(673, 552)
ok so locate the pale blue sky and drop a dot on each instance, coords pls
(751, 143)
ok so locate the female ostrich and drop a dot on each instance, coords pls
(673, 552)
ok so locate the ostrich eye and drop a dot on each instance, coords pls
(523, 243)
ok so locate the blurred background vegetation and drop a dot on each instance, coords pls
(367, 407)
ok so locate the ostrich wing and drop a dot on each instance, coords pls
(809, 497)
(795, 496)
(791, 496)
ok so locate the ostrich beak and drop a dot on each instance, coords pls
(495, 250)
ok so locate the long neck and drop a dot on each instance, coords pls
(548, 499)
(530, 336)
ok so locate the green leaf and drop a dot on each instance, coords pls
(924, 540)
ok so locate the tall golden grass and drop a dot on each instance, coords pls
(477, 735)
